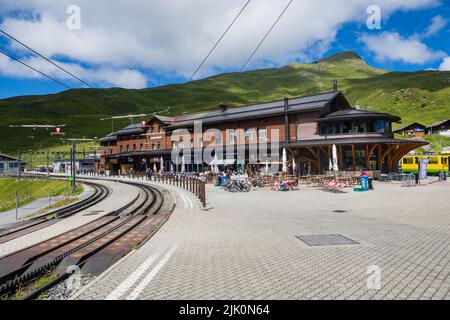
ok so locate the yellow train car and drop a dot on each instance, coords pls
(438, 163)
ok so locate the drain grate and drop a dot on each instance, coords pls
(340, 211)
(326, 240)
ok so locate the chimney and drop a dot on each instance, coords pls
(335, 85)
(223, 106)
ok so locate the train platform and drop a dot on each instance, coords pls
(390, 243)
(121, 194)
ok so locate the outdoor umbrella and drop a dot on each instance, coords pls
(284, 161)
(267, 168)
(154, 167)
(216, 164)
(330, 165)
(294, 167)
(171, 167)
(335, 159)
(161, 165)
(183, 164)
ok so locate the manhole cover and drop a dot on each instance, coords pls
(325, 240)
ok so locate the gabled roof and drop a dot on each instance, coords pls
(439, 123)
(406, 126)
(298, 104)
(132, 129)
(110, 137)
(353, 113)
(4, 157)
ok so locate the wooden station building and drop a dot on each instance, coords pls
(307, 126)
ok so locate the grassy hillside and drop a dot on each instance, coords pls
(30, 190)
(417, 96)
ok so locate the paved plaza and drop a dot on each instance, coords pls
(247, 246)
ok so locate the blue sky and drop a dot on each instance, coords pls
(149, 44)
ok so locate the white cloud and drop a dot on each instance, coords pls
(445, 65)
(124, 78)
(173, 36)
(390, 46)
(437, 24)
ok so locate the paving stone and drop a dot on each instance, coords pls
(244, 246)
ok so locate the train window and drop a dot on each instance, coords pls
(444, 160)
(434, 160)
(408, 161)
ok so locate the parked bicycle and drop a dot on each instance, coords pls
(237, 186)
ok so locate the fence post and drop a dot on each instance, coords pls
(17, 205)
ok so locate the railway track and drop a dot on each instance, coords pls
(91, 248)
(39, 222)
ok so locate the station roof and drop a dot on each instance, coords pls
(298, 104)
(353, 113)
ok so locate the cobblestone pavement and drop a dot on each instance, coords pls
(121, 194)
(244, 247)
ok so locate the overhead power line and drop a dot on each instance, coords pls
(28, 66)
(218, 41)
(264, 38)
(45, 58)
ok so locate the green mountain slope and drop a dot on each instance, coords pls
(415, 96)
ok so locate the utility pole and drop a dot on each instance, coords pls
(48, 159)
(74, 171)
(19, 172)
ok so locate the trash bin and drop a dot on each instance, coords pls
(371, 184)
(364, 182)
(223, 180)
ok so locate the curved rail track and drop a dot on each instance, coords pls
(22, 228)
(91, 248)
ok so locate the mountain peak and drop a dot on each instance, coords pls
(345, 55)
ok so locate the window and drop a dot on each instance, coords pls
(159, 145)
(249, 134)
(408, 161)
(128, 148)
(379, 126)
(434, 160)
(262, 133)
(444, 161)
(232, 136)
(141, 146)
(359, 127)
(346, 127)
(121, 149)
(134, 147)
(370, 125)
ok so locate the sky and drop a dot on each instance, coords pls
(147, 43)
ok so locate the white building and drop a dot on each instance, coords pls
(8, 165)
